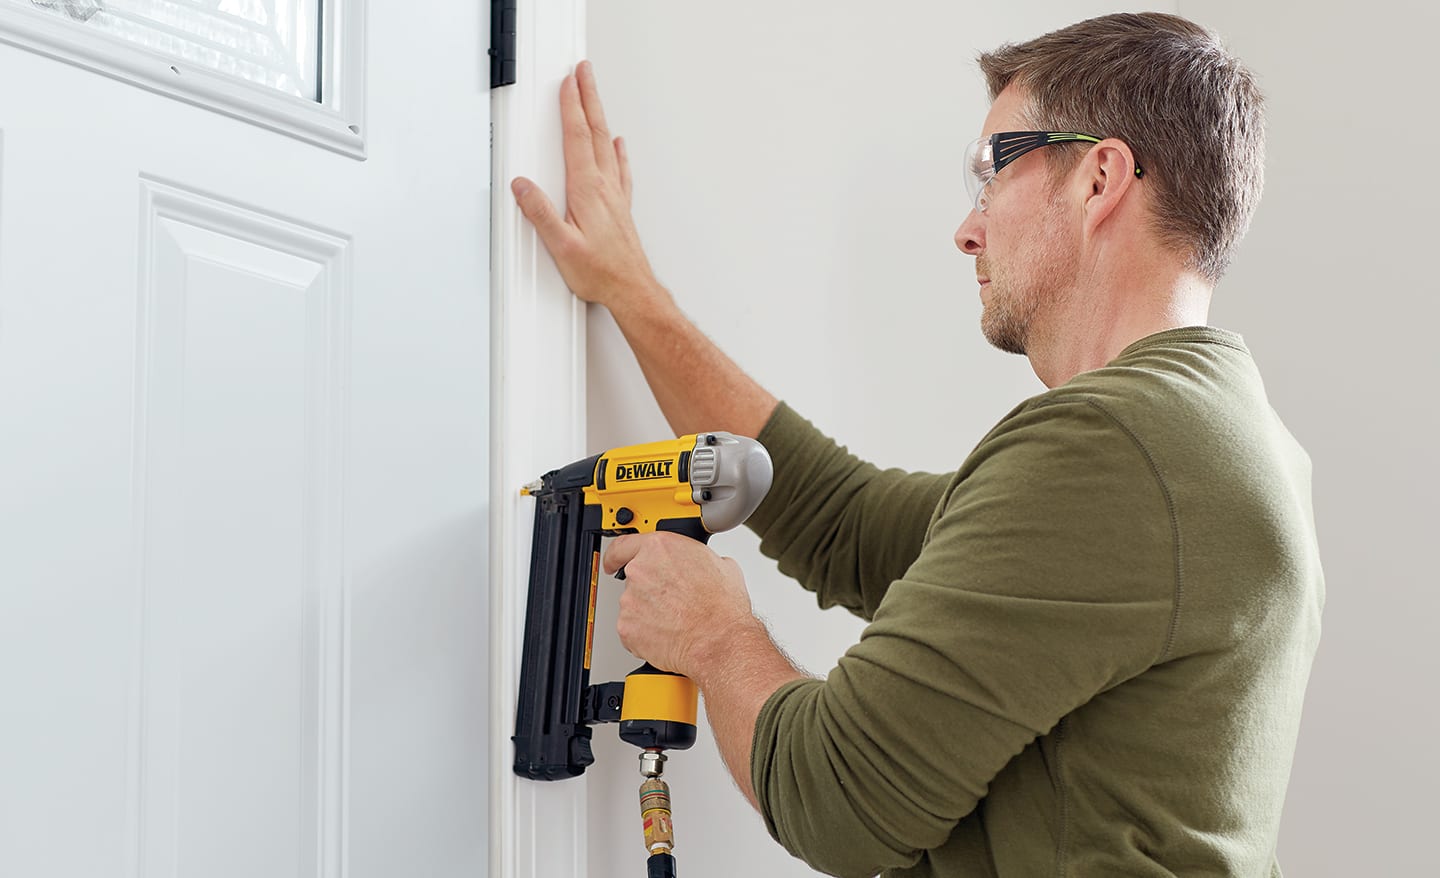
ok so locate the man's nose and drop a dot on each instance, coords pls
(970, 237)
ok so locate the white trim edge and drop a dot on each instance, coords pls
(537, 423)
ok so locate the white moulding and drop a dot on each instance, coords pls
(537, 418)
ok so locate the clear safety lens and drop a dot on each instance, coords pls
(979, 171)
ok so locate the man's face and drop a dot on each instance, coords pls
(1025, 244)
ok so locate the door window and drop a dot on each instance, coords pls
(275, 43)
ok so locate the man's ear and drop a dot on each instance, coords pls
(1108, 173)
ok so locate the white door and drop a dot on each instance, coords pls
(243, 444)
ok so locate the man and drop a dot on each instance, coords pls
(1088, 646)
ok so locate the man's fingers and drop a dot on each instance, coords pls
(622, 157)
(622, 551)
(539, 211)
(595, 117)
(579, 146)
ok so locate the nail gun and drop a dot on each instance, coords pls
(696, 485)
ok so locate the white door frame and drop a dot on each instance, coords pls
(537, 422)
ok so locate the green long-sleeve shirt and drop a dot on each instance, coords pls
(1087, 648)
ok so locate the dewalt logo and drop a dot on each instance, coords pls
(644, 470)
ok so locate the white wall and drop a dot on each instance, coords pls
(1336, 292)
(797, 187)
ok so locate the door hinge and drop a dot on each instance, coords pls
(502, 42)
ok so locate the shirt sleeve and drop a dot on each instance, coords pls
(1048, 577)
(843, 528)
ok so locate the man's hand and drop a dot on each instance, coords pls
(686, 609)
(682, 602)
(598, 252)
(594, 244)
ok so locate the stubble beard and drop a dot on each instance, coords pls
(1020, 290)
(1006, 319)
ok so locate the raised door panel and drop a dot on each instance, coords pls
(240, 487)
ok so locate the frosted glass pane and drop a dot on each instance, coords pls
(271, 42)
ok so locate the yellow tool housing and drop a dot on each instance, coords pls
(695, 485)
(639, 486)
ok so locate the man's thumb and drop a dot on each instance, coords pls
(619, 554)
(535, 205)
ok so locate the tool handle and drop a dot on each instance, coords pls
(660, 866)
(690, 527)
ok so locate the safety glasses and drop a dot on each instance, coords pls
(988, 156)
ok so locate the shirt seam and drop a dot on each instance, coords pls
(1178, 594)
(1203, 334)
(1062, 836)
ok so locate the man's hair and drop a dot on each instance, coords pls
(1189, 110)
